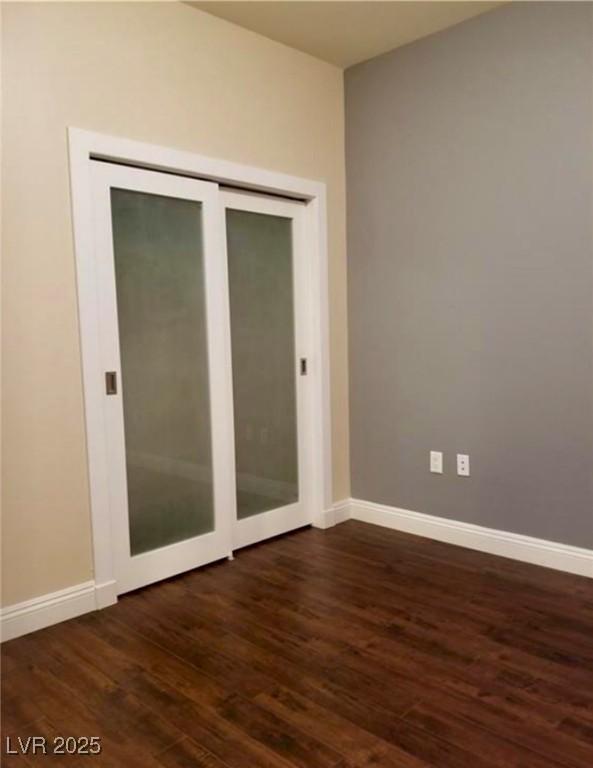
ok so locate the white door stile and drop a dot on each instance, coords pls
(139, 570)
(274, 522)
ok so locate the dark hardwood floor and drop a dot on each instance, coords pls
(356, 646)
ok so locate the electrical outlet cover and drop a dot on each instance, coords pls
(463, 464)
(436, 462)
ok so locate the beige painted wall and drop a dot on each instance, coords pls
(163, 73)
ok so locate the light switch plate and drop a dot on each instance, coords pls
(463, 464)
(436, 462)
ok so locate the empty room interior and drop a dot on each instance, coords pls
(297, 384)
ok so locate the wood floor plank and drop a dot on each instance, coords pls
(187, 754)
(341, 734)
(347, 648)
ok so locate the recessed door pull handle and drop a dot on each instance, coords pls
(303, 366)
(111, 382)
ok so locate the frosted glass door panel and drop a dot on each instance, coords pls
(159, 271)
(260, 264)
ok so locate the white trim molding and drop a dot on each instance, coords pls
(43, 611)
(339, 512)
(85, 146)
(549, 554)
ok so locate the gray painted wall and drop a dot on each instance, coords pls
(470, 200)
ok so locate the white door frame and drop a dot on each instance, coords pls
(133, 571)
(87, 145)
(275, 521)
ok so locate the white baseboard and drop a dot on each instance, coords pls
(549, 554)
(337, 513)
(43, 611)
(342, 511)
(105, 594)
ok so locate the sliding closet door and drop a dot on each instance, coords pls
(164, 331)
(267, 272)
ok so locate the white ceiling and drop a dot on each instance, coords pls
(344, 33)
